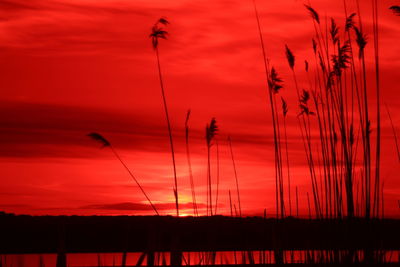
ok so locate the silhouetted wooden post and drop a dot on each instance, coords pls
(277, 235)
(176, 258)
(123, 263)
(61, 260)
(61, 254)
(150, 258)
(151, 239)
(176, 252)
(126, 244)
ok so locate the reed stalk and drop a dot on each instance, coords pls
(156, 34)
(236, 176)
(271, 82)
(211, 131)
(105, 143)
(218, 171)
(195, 210)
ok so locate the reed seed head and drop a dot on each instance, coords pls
(274, 81)
(211, 131)
(99, 138)
(290, 57)
(313, 13)
(158, 32)
(334, 31)
(284, 107)
(361, 41)
(350, 22)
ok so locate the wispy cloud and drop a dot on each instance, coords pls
(139, 206)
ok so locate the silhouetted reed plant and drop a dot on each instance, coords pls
(211, 132)
(157, 32)
(334, 117)
(105, 143)
(236, 176)
(191, 180)
(274, 85)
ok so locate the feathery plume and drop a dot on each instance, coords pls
(211, 131)
(99, 138)
(361, 41)
(350, 22)
(334, 31)
(313, 13)
(305, 97)
(304, 109)
(290, 57)
(284, 107)
(274, 82)
(157, 32)
(341, 60)
(163, 21)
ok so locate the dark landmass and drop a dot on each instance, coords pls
(49, 234)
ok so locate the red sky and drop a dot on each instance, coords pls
(70, 67)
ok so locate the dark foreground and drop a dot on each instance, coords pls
(151, 234)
